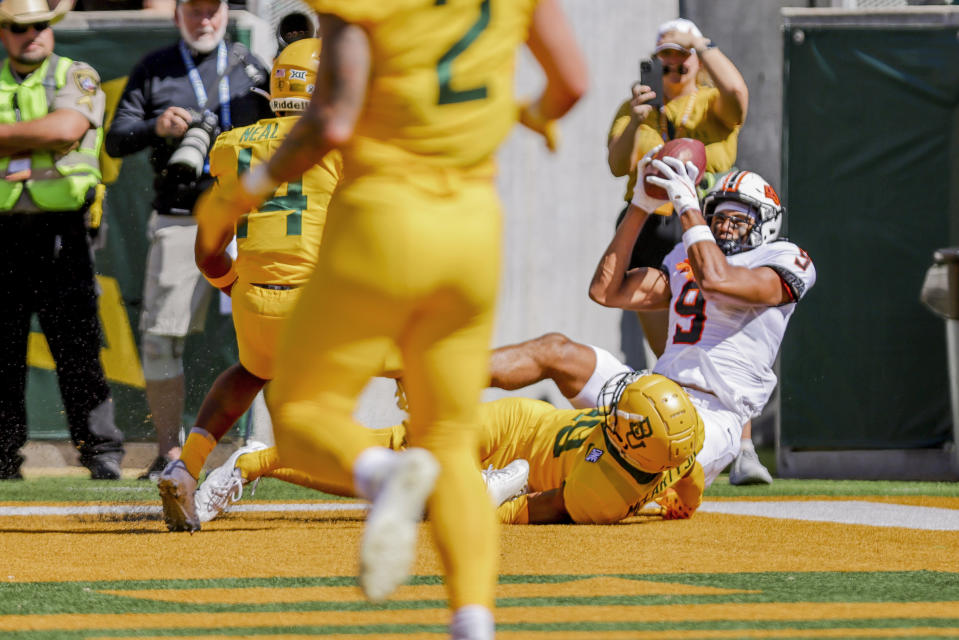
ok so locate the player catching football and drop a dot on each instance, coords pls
(730, 287)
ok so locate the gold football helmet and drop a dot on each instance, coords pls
(293, 77)
(652, 422)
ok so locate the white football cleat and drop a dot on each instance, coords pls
(177, 487)
(507, 483)
(392, 523)
(224, 485)
(747, 469)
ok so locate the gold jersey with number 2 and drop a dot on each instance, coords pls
(277, 243)
(441, 90)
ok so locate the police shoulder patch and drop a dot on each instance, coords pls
(594, 455)
(87, 81)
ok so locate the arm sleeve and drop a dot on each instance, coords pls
(82, 93)
(130, 131)
(794, 267)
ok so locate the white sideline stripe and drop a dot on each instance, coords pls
(873, 514)
(861, 512)
(95, 510)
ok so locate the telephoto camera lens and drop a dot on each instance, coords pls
(190, 155)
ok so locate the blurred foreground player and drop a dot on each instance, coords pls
(418, 95)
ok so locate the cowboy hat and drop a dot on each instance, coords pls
(31, 11)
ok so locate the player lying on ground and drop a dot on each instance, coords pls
(589, 466)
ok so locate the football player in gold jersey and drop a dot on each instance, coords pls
(277, 247)
(418, 94)
(588, 466)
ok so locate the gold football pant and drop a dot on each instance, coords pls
(413, 268)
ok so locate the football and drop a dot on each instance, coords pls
(685, 149)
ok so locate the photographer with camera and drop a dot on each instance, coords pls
(177, 100)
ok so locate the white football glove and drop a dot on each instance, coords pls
(642, 199)
(679, 182)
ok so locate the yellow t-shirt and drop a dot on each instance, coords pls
(279, 242)
(702, 124)
(440, 94)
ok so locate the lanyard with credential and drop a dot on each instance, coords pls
(200, 90)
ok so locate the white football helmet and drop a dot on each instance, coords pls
(750, 189)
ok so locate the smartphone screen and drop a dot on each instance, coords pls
(651, 75)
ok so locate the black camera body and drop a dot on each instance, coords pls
(189, 158)
(183, 177)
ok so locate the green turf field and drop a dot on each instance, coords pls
(92, 559)
(70, 489)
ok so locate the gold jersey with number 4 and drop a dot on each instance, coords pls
(441, 90)
(277, 243)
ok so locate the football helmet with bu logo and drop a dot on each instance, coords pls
(652, 422)
(293, 77)
(765, 207)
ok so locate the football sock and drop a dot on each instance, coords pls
(372, 465)
(515, 511)
(258, 463)
(463, 521)
(305, 480)
(196, 450)
(746, 444)
(472, 622)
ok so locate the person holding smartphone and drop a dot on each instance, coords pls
(702, 95)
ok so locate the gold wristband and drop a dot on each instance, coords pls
(226, 279)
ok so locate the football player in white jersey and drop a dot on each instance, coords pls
(730, 288)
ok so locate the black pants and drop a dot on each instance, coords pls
(657, 238)
(46, 267)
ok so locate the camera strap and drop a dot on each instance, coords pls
(197, 82)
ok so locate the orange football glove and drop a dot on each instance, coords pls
(683, 498)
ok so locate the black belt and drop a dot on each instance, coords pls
(275, 287)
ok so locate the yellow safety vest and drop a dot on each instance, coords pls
(57, 182)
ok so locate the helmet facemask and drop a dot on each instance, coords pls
(651, 421)
(749, 189)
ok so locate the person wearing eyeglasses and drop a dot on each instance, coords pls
(51, 118)
(176, 101)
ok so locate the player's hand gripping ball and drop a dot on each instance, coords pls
(683, 149)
